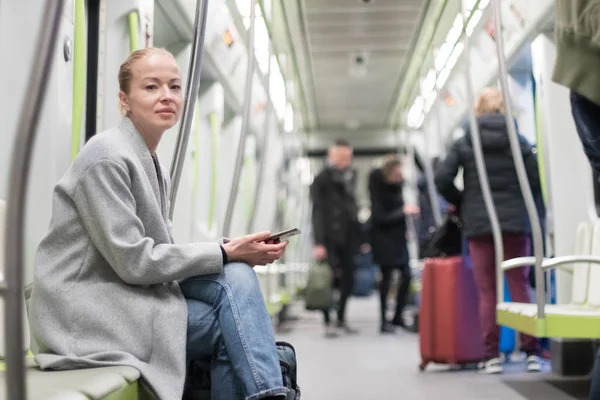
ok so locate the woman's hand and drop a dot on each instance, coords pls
(253, 250)
(411, 209)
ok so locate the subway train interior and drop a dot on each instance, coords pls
(271, 91)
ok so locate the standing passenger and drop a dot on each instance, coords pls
(336, 227)
(106, 285)
(388, 235)
(577, 68)
(511, 213)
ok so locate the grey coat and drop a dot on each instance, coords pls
(105, 290)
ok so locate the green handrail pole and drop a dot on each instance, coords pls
(12, 287)
(536, 228)
(191, 95)
(265, 146)
(79, 55)
(481, 169)
(237, 172)
(134, 31)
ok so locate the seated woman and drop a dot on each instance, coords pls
(106, 288)
(512, 216)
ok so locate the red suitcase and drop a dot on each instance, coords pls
(449, 328)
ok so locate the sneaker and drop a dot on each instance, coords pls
(491, 366)
(534, 364)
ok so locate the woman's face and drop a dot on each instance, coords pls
(155, 99)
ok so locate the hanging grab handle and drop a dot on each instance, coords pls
(237, 172)
(480, 164)
(191, 95)
(12, 287)
(536, 229)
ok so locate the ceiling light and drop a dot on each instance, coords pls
(428, 83)
(473, 22)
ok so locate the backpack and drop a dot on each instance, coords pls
(198, 385)
(446, 240)
(289, 369)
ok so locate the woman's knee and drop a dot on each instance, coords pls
(241, 278)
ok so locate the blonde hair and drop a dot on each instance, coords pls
(490, 102)
(126, 69)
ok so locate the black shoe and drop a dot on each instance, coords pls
(387, 328)
(399, 322)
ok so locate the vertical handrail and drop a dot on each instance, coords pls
(265, 146)
(481, 169)
(440, 135)
(191, 95)
(14, 300)
(536, 230)
(410, 221)
(437, 116)
(237, 172)
(431, 190)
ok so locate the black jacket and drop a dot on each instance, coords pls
(335, 215)
(502, 175)
(388, 222)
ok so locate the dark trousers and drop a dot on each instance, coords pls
(587, 120)
(401, 295)
(341, 260)
(481, 250)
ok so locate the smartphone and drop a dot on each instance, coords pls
(284, 235)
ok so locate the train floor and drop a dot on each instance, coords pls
(369, 366)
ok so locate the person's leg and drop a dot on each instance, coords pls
(401, 296)
(595, 387)
(384, 290)
(248, 340)
(481, 250)
(587, 121)
(206, 351)
(517, 279)
(348, 269)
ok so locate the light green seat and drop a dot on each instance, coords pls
(109, 383)
(581, 318)
(92, 383)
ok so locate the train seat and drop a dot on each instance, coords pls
(581, 318)
(113, 383)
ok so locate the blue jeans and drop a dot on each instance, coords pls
(230, 330)
(587, 119)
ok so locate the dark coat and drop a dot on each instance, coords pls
(388, 222)
(335, 214)
(502, 175)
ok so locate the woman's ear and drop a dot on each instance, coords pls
(124, 103)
